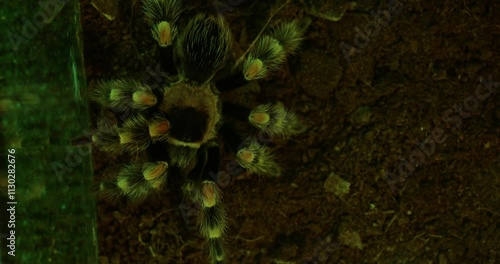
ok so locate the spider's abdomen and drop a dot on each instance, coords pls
(203, 48)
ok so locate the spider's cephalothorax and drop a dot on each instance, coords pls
(178, 127)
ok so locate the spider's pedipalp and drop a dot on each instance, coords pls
(136, 181)
(162, 15)
(124, 95)
(275, 120)
(203, 47)
(258, 159)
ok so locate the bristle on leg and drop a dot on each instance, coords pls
(134, 134)
(107, 139)
(257, 158)
(270, 51)
(124, 95)
(267, 56)
(289, 35)
(212, 227)
(137, 181)
(162, 15)
(216, 249)
(275, 120)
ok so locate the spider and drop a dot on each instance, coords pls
(178, 130)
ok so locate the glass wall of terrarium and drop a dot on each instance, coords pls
(48, 211)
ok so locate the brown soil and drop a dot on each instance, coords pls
(406, 103)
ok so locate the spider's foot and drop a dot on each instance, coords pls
(136, 181)
(275, 120)
(158, 128)
(124, 95)
(266, 57)
(258, 159)
(216, 249)
(162, 16)
(270, 51)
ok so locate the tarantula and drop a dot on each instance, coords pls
(180, 127)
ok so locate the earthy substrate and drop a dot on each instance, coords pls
(364, 119)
